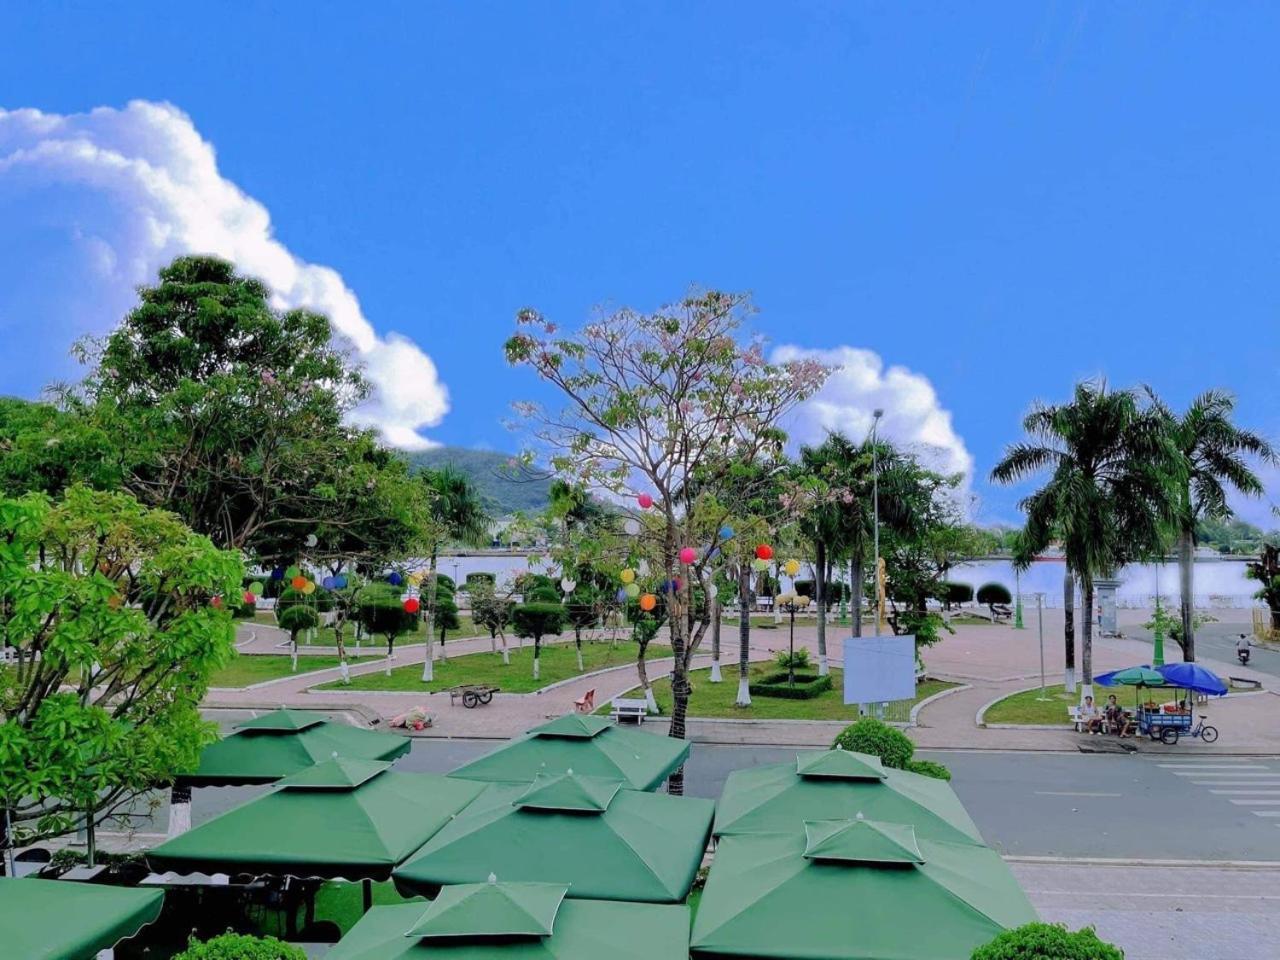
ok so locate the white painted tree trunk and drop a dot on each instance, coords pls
(179, 818)
(293, 655)
(744, 693)
(346, 671)
(535, 667)
(580, 666)
(716, 676)
(429, 667)
(651, 703)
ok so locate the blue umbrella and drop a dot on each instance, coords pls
(1193, 677)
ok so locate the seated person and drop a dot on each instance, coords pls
(1090, 716)
(1117, 722)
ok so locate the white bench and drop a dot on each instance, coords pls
(624, 709)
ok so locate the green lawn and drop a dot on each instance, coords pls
(715, 700)
(247, 669)
(558, 662)
(1026, 707)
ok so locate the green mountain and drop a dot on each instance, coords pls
(506, 488)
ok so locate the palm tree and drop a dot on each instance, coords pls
(1111, 467)
(1213, 450)
(458, 516)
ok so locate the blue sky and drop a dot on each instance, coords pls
(991, 200)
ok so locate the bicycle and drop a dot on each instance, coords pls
(1204, 731)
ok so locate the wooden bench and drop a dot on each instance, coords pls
(473, 695)
(585, 703)
(624, 709)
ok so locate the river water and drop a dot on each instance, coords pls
(1218, 583)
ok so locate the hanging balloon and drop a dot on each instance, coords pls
(308, 588)
(277, 573)
(759, 565)
(292, 572)
(415, 578)
(621, 595)
(688, 555)
(339, 581)
(726, 532)
(627, 576)
(632, 590)
(298, 582)
(327, 583)
(631, 526)
(567, 585)
(764, 552)
(256, 588)
(395, 579)
(645, 501)
(792, 567)
(648, 602)
(311, 540)
(216, 603)
(412, 605)
(249, 598)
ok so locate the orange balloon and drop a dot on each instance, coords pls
(298, 582)
(648, 601)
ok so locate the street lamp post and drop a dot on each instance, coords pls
(1040, 618)
(875, 507)
(791, 603)
(1017, 599)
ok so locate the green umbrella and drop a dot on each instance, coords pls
(517, 921)
(835, 784)
(61, 920)
(605, 842)
(593, 746)
(1132, 677)
(854, 890)
(281, 743)
(342, 818)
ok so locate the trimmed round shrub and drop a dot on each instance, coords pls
(297, 618)
(480, 577)
(992, 593)
(869, 735)
(1047, 941)
(537, 620)
(950, 592)
(928, 768)
(240, 946)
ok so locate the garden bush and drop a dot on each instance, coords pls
(239, 946)
(869, 735)
(1047, 941)
(295, 619)
(928, 768)
(950, 592)
(807, 686)
(993, 593)
(836, 591)
(537, 620)
(480, 577)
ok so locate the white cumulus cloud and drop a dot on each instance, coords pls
(914, 417)
(158, 177)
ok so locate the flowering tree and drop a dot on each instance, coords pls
(651, 401)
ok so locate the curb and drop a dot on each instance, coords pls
(1118, 862)
(915, 711)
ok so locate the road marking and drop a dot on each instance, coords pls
(1069, 793)
(1236, 783)
(1212, 766)
(1241, 793)
(1266, 813)
(1256, 802)
(1225, 773)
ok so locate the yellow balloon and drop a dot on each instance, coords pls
(792, 567)
(628, 575)
(309, 589)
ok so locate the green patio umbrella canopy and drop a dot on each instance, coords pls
(281, 743)
(854, 890)
(605, 842)
(517, 921)
(61, 920)
(1132, 677)
(593, 746)
(352, 819)
(836, 784)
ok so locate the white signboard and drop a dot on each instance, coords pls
(879, 669)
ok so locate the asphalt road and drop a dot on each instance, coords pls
(1025, 804)
(1217, 641)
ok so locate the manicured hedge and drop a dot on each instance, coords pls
(807, 686)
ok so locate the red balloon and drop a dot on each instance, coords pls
(216, 603)
(298, 582)
(645, 501)
(412, 605)
(250, 598)
(688, 555)
(764, 552)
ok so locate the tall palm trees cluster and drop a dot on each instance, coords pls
(1127, 479)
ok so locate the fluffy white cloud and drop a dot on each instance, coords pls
(158, 180)
(913, 415)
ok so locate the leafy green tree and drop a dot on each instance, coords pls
(44, 449)
(1047, 941)
(1214, 453)
(446, 613)
(382, 612)
(113, 616)
(1266, 570)
(583, 609)
(991, 594)
(221, 408)
(240, 946)
(1111, 465)
(456, 515)
(535, 620)
(295, 619)
(492, 611)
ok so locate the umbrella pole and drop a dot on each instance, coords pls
(367, 889)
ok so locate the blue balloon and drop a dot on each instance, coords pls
(395, 579)
(621, 595)
(277, 573)
(327, 583)
(726, 532)
(339, 581)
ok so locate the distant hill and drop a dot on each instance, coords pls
(503, 488)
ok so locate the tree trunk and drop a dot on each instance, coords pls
(855, 588)
(506, 651)
(715, 641)
(820, 591)
(678, 624)
(428, 667)
(1069, 630)
(537, 651)
(744, 636)
(6, 850)
(1186, 584)
(391, 651)
(293, 652)
(642, 671)
(577, 642)
(1086, 647)
(179, 810)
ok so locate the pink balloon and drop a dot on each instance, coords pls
(688, 555)
(645, 501)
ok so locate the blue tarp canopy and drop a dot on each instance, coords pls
(1193, 677)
